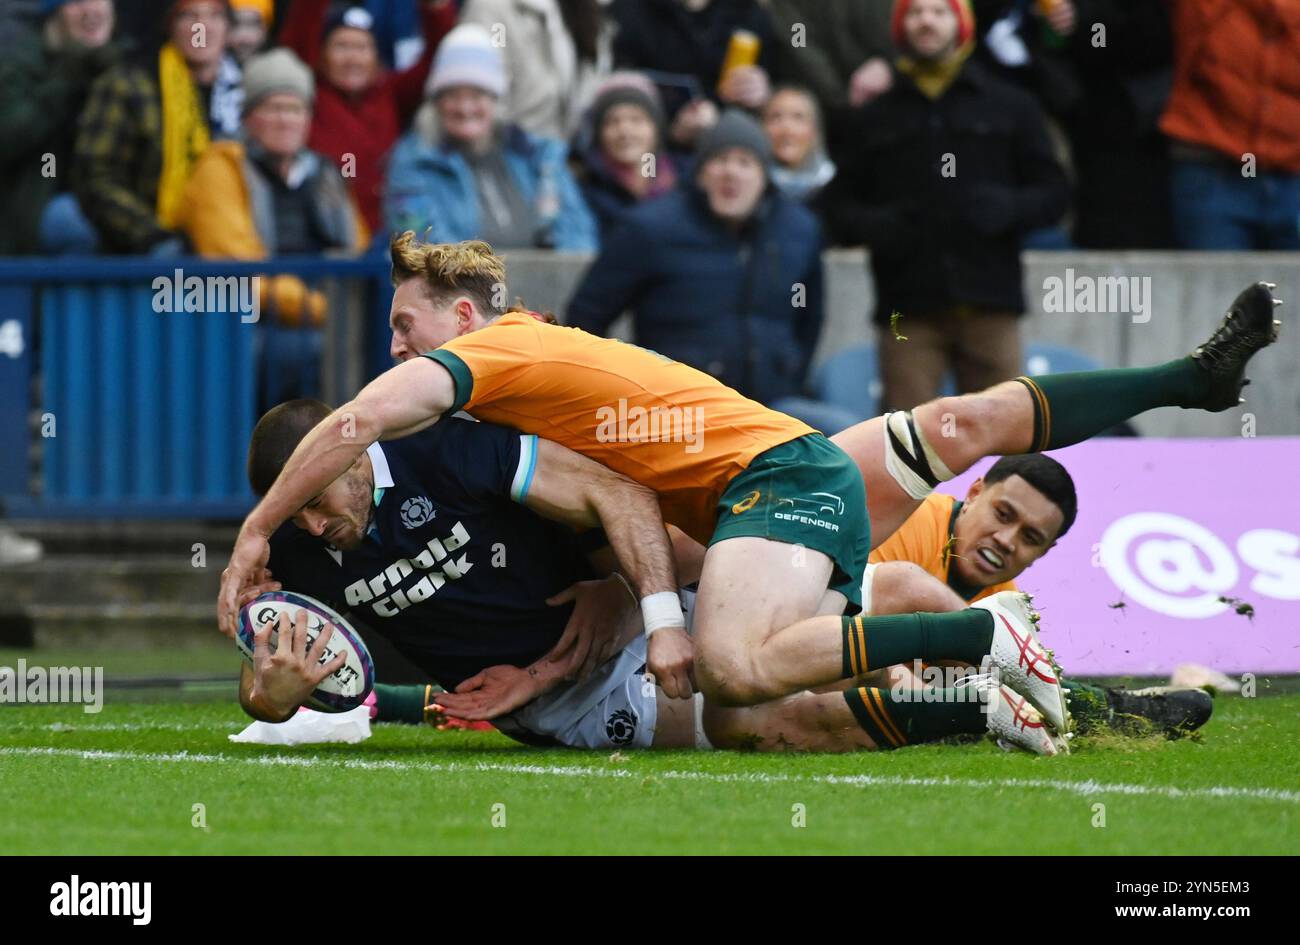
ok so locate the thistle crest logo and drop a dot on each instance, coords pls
(417, 511)
(620, 727)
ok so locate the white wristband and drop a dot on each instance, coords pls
(662, 610)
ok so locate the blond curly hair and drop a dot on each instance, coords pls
(467, 268)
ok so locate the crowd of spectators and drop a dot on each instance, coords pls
(704, 150)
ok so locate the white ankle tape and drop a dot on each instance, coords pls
(702, 742)
(909, 458)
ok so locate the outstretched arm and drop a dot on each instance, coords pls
(401, 401)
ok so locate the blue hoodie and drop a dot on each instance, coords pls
(432, 187)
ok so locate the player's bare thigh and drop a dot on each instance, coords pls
(678, 724)
(750, 588)
(966, 428)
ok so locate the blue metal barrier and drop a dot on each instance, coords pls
(140, 413)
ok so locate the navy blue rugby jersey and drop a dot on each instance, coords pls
(454, 570)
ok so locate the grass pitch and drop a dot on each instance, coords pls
(127, 780)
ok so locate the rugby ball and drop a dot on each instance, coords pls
(344, 689)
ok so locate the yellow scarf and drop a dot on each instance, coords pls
(184, 132)
(933, 78)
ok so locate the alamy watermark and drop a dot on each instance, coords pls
(934, 683)
(55, 684)
(1098, 295)
(180, 293)
(82, 898)
(637, 424)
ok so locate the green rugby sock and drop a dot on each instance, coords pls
(401, 703)
(874, 642)
(1072, 407)
(917, 715)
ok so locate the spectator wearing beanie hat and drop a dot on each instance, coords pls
(930, 56)
(80, 9)
(707, 272)
(570, 47)
(45, 79)
(462, 173)
(361, 108)
(468, 58)
(621, 149)
(269, 195)
(735, 129)
(942, 176)
(250, 24)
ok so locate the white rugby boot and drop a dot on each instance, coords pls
(1013, 722)
(1020, 661)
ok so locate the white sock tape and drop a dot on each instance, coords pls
(903, 474)
(661, 610)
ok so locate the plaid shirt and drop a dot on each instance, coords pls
(118, 158)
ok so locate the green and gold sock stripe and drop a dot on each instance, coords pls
(1042, 415)
(885, 716)
(869, 710)
(855, 647)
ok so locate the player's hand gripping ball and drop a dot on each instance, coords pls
(343, 689)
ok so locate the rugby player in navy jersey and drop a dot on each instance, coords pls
(450, 542)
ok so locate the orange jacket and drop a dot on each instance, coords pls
(1237, 79)
(218, 213)
(218, 216)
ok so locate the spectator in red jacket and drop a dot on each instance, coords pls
(361, 109)
(1233, 121)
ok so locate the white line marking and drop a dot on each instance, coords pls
(120, 726)
(1084, 788)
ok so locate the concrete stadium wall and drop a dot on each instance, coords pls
(1189, 293)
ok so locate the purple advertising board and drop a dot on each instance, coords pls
(1183, 534)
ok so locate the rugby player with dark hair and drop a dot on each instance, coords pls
(950, 553)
